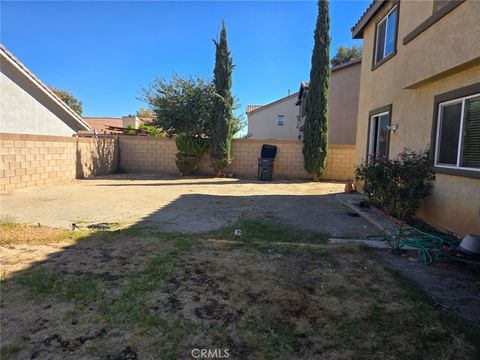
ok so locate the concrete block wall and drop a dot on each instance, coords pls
(147, 154)
(33, 160)
(157, 155)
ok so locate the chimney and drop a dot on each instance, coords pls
(288, 92)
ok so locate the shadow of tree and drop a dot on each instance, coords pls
(96, 156)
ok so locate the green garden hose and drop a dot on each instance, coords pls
(418, 239)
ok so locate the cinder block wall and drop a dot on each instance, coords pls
(33, 160)
(157, 155)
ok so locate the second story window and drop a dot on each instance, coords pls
(280, 120)
(386, 35)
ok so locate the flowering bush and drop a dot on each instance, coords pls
(397, 185)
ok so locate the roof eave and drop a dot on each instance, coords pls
(44, 88)
(357, 29)
(273, 103)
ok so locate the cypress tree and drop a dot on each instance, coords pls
(222, 114)
(315, 143)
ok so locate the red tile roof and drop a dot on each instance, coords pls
(100, 124)
(251, 108)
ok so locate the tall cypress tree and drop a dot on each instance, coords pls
(222, 115)
(315, 130)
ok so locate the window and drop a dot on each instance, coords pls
(386, 35)
(378, 135)
(458, 134)
(280, 120)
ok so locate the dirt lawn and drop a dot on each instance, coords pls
(138, 293)
(185, 204)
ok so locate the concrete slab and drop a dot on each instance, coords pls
(186, 204)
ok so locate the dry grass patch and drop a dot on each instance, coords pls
(137, 293)
(12, 233)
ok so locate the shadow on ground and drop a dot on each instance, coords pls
(159, 289)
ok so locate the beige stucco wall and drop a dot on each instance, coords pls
(409, 81)
(343, 104)
(25, 109)
(32, 160)
(262, 123)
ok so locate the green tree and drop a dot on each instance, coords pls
(315, 143)
(181, 105)
(346, 54)
(143, 113)
(68, 98)
(222, 115)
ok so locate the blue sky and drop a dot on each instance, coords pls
(104, 52)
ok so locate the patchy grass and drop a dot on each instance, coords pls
(12, 233)
(268, 232)
(139, 292)
(79, 289)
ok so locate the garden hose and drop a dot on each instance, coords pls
(418, 239)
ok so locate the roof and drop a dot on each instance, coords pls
(251, 108)
(7, 55)
(347, 64)
(368, 14)
(303, 86)
(101, 123)
(260, 107)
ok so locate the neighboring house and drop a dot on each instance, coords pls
(277, 120)
(112, 125)
(342, 103)
(420, 87)
(28, 106)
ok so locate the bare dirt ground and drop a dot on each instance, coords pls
(178, 279)
(184, 204)
(141, 294)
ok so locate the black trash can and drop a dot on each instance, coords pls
(265, 162)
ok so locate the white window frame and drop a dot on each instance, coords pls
(461, 100)
(384, 19)
(370, 139)
(278, 120)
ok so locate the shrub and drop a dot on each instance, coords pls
(151, 130)
(190, 152)
(397, 186)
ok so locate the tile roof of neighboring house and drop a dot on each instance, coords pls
(251, 108)
(261, 107)
(100, 124)
(44, 88)
(368, 14)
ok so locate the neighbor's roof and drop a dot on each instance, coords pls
(260, 107)
(368, 14)
(251, 108)
(347, 64)
(101, 123)
(303, 86)
(7, 55)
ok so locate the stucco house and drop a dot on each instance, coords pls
(276, 120)
(28, 106)
(342, 103)
(284, 118)
(419, 88)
